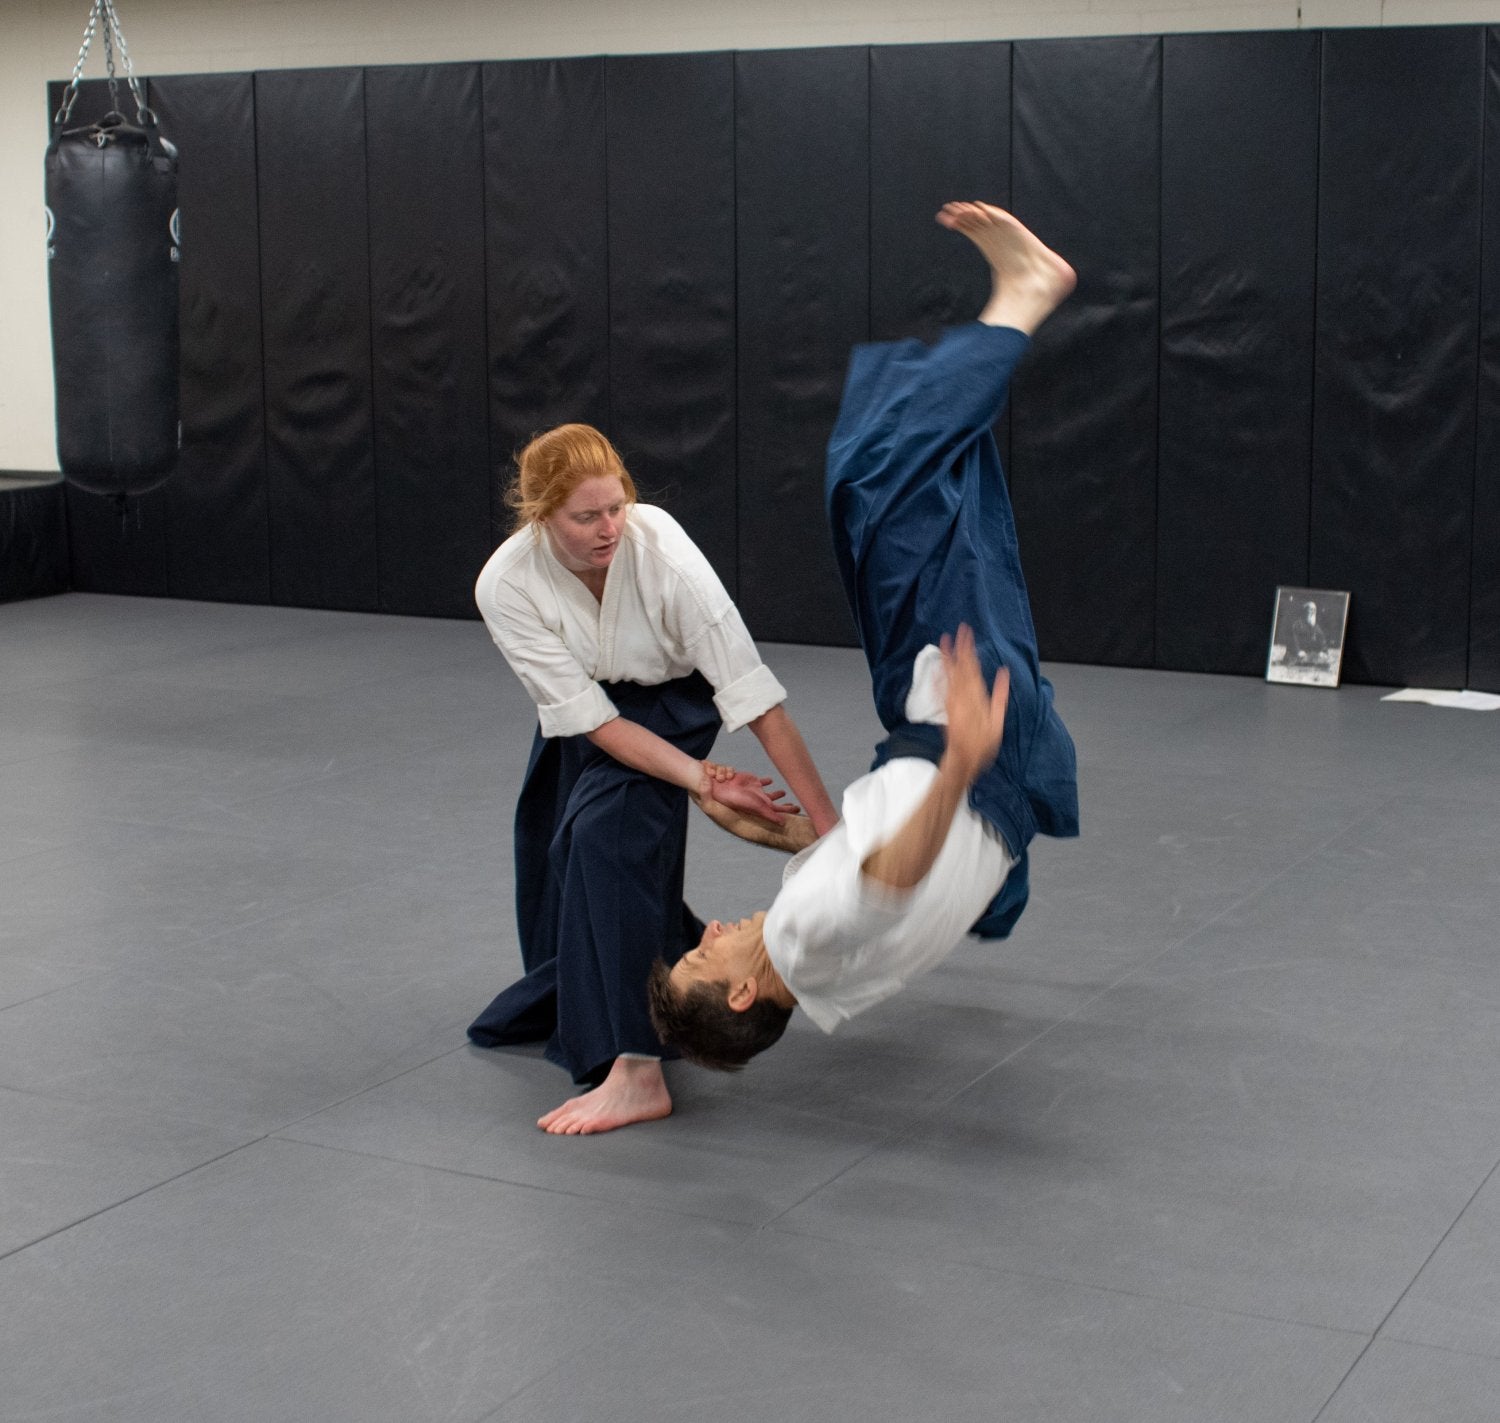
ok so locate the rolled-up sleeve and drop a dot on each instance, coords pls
(700, 617)
(586, 712)
(723, 650)
(748, 697)
(568, 701)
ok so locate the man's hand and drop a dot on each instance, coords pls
(746, 793)
(976, 716)
(797, 833)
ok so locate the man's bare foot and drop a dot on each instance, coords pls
(1030, 280)
(634, 1091)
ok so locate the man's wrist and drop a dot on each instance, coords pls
(956, 772)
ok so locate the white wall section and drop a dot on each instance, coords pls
(39, 40)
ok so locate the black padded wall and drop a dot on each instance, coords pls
(923, 277)
(1484, 606)
(802, 157)
(670, 120)
(1398, 280)
(546, 254)
(1085, 178)
(217, 520)
(33, 536)
(424, 148)
(112, 548)
(1239, 228)
(681, 249)
(315, 304)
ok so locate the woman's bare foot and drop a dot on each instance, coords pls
(1030, 280)
(634, 1091)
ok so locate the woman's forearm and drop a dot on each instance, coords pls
(783, 743)
(633, 745)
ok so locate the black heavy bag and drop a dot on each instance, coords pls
(112, 253)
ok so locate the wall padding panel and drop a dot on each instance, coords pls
(1239, 231)
(547, 258)
(670, 120)
(33, 537)
(802, 144)
(218, 522)
(113, 548)
(315, 305)
(1085, 178)
(1484, 608)
(392, 279)
(1394, 411)
(923, 277)
(425, 149)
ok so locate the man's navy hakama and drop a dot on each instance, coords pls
(925, 539)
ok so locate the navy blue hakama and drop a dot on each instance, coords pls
(600, 851)
(925, 539)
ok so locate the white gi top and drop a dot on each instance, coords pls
(664, 615)
(843, 942)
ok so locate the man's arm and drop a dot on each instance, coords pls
(904, 862)
(796, 832)
(976, 721)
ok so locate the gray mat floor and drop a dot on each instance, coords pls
(1213, 1137)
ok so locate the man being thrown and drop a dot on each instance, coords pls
(933, 842)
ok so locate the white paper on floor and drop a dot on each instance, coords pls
(1468, 701)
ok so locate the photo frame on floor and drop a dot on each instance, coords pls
(1307, 637)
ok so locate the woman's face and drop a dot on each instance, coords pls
(586, 528)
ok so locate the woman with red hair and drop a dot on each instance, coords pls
(635, 656)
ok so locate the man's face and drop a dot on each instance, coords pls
(725, 953)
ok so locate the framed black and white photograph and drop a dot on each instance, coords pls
(1307, 637)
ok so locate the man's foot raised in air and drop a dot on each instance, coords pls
(1030, 280)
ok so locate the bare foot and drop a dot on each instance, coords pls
(634, 1091)
(1030, 280)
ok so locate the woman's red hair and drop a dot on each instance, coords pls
(554, 464)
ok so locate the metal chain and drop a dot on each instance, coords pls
(71, 96)
(113, 36)
(141, 111)
(109, 63)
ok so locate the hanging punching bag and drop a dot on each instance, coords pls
(112, 254)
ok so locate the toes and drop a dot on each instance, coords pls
(557, 1114)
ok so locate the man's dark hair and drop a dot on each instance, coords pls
(701, 1025)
